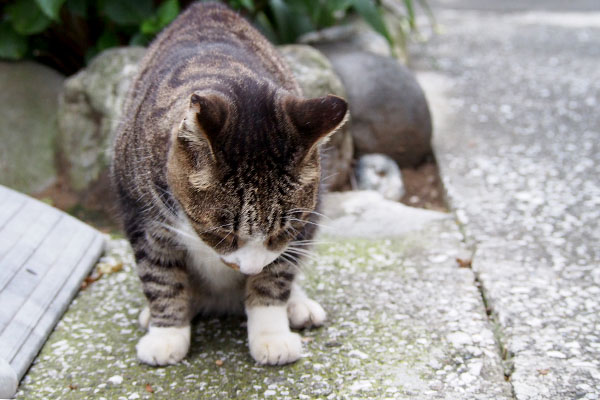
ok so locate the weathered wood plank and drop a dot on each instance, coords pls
(21, 361)
(10, 204)
(15, 227)
(34, 269)
(41, 295)
(44, 256)
(30, 238)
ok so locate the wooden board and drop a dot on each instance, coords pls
(44, 256)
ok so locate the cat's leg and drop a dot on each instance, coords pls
(165, 285)
(269, 336)
(302, 311)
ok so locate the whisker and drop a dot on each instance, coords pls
(176, 230)
(308, 222)
(225, 237)
(305, 210)
(310, 256)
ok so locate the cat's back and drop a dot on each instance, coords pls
(208, 46)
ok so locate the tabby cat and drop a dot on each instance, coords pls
(217, 169)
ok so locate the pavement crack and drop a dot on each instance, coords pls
(506, 355)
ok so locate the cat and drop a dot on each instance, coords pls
(216, 167)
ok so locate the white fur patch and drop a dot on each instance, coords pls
(302, 311)
(144, 318)
(205, 260)
(162, 346)
(269, 336)
(252, 257)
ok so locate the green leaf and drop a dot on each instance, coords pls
(108, 39)
(369, 11)
(12, 45)
(78, 7)
(290, 23)
(410, 10)
(247, 4)
(140, 39)
(26, 17)
(126, 12)
(166, 13)
(265, 27)
(50, 7)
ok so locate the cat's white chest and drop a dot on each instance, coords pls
(206, 262)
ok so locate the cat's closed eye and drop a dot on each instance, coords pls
(221, 240)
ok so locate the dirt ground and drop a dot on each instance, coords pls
(423, 187)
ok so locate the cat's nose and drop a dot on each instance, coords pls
(246, 265)
(251, 258)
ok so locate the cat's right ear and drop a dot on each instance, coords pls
(205, 118)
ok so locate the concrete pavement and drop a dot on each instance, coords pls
(515, 95)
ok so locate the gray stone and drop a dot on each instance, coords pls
(89, 113)
(390, 114)
(28, 129)
(517, 143)
(354, 36)
(380, 173)
(316, 77)
(366, 214)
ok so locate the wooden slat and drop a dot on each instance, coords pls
(34, 269)
(42, 295)
(44, 256)
(10, 204)
(31, 226)
(23, 359)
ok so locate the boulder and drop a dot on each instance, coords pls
(28, 129)
(389, 110)
(316, 77)
(380, 173)
(89, 113)
(354, 36)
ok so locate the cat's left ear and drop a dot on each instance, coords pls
(206, 116)
(316, 119)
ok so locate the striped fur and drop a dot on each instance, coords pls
(217, 147)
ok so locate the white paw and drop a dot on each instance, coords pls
(276, 348)
(304, 313)
(162, 346)
(144, 318)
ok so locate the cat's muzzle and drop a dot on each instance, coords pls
(231, 265)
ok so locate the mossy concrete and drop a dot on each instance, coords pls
(405, 321)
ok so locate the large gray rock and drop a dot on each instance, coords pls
(354, 36)
(89, 113)
(390, 114)
(28, 104)
(316, 77)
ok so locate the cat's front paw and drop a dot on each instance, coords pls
(276, 348)
(304, 313)
(162, 346)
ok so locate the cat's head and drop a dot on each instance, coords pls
(247, 172)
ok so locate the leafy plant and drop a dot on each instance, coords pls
(65, 34)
